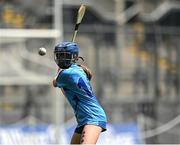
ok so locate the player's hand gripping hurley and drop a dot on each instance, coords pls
(80, 16)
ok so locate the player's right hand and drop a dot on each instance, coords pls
(54, 83)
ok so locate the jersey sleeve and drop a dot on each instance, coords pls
(62, 79)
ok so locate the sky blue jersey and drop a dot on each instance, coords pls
(79, 93)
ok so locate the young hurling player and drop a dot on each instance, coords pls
(74, 81)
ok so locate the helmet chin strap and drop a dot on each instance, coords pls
(81, 58)
(77, 58)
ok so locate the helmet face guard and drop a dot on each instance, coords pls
(64, 59)
(65, 54)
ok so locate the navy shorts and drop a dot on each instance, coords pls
(100, 124)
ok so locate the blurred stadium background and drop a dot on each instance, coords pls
(133, 49)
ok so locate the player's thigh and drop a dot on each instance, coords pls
(90, 134)
(76, 138)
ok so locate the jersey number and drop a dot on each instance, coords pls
(82, 85)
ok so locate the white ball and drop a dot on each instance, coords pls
(42, 51)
